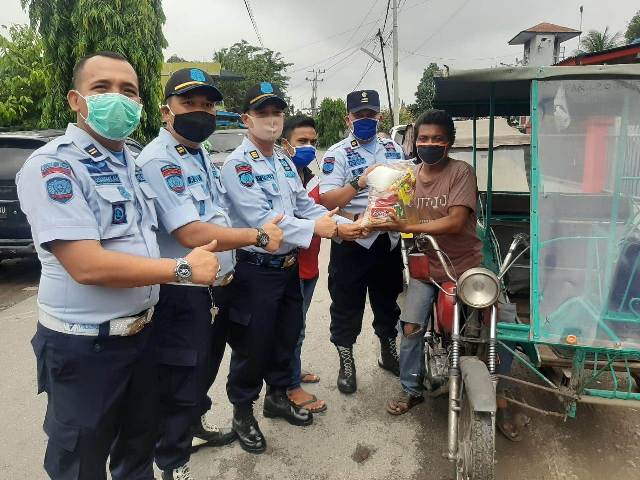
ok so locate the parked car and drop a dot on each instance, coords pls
(15, 148)
(222, 142)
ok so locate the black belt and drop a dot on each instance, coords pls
(287, 260)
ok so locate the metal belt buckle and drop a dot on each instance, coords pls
(289, 261)
(138, 324)
(228, 278)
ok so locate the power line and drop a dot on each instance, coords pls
(437, 30)
(253, 21)
(386, 15)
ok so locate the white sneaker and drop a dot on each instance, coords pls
(180, 473)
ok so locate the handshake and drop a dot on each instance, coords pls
(326, 227)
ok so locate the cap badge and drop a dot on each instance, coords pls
(197, 75)
(266, 87)
(364, 94)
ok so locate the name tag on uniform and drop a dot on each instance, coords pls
(395, 155)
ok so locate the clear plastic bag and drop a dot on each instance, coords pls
(391, 189)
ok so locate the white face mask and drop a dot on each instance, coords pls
(267, 129)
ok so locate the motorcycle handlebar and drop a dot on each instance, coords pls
(421, 240)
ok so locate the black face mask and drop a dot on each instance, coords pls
(431, 154)
(194, 126)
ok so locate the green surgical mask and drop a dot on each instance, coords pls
(112, 115)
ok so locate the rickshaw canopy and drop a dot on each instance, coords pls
(467, 93)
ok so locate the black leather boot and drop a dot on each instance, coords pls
(247, 429)
(389, 358)
(277, 405)
(347, 374)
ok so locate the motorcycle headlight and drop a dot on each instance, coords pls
(478, 287)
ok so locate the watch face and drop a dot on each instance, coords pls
(263, 240)
(184, 271)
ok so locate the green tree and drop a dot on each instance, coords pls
(387, 120)
(596, 41)
(426, 91)
(22, 78)
(175, 59)
(633, 29)
(71, 29)
(330, 121)
(255, 64)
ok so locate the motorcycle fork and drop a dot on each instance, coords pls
(454, 386)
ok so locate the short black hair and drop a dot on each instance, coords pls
(77, 69)
(297, 121)
(436, 117)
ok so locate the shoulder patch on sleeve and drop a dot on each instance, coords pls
(172, 174)
(55, 166)
(182, 151)
(59, 189)
(328, 165)
(254, 154)
(245, 174)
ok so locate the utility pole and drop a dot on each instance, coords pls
(386, 79)
(580, 35)
(314, 89)
(396, 89)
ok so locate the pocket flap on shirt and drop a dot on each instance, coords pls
(147, 190)
(198, 193)
(114, 193)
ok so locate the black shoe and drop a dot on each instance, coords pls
(347, 374)
(206, 434)
(246, 428)
(389, 359)
(180, 473)
(277, 405)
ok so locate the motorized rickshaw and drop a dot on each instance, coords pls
(575, 229)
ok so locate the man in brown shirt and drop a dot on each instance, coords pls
(444, 206)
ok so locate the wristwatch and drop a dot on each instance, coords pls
(183, 271)
(262, 240)
(354, 183)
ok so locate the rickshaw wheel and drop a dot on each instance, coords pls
(476, 443)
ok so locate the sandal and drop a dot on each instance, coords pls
(307, 403)
(403, 402)
(308, 377)
(507, 424)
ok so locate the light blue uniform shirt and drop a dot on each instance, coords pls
(256, 192)
(347, 160)
(73, 188)
(188, 189)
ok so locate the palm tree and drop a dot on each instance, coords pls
(596, 41)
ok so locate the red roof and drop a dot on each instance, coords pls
(545, 27)
(618, 55)
(563, 33)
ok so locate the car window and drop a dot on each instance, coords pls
(225, 142)
(13, 153)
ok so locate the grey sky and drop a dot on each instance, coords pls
(327, 34)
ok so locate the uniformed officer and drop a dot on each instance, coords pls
(93, 223)
(190, 209)
(266, 302)
(372, 264)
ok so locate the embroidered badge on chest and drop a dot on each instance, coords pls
(119, 215)
(172, 174)
(245, 174)
(288, 171)
(96, 168)
(124, 192)
(139, 176)
(59, 189)
(328, 165)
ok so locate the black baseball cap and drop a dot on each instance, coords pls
(363, 100)
(187, 79)
(261, 94)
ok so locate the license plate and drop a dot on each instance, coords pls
(3, 212)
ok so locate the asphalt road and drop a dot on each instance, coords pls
(354, 439)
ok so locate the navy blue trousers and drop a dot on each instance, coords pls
(101, 398)
(265, 319)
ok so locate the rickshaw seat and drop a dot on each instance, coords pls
(625, 285)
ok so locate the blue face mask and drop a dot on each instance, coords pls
(304, 155)
(364, 129)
